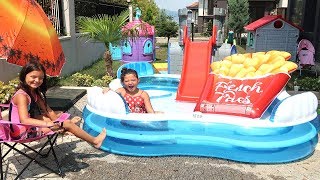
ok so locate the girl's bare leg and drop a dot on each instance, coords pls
(68, 125)
(75, 119)
(80, 133)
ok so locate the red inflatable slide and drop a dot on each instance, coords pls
(196, 67)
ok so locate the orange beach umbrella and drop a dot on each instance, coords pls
(27, 34)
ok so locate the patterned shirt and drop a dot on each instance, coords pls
(135, 103)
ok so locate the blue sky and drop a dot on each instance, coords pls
(173, 5)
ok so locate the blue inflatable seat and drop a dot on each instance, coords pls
(142, 68)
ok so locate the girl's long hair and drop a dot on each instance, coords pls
(42, 89)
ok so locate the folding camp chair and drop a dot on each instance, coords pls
(7, 140)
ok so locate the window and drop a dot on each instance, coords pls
(148, 47)
(278, 24)
(250, 40)
(126, 48)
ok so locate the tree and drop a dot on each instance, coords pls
(238, 16)
(149, 8)
(166, 26)
(209, 28)
(106, 29)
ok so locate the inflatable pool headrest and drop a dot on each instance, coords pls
(295, 108)
(110, 102)
(115, 84)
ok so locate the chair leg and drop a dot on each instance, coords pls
(55, 156)
(1, 170)
(33, 159)
(53, 139)
(9, 150)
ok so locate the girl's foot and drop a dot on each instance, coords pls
(99, 139)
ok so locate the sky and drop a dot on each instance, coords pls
(173, 5)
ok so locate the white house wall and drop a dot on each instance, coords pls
(269, 38)
(80, 53)
(203, 7)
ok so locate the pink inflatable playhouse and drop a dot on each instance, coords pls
(142, 48)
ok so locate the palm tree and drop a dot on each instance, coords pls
(106, 29)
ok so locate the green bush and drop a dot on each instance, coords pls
(107, 79)
(99, 83)
(103, 82)
(7, 90)
(82, 79)
(308, 84)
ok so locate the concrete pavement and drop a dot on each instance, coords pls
(81, 161)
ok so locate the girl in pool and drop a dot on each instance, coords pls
(29, 106)
(137, 99)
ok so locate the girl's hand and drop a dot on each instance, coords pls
(105, 90)
(56, 127)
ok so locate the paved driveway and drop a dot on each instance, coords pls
(82, 161)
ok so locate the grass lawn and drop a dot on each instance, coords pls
(161, 53)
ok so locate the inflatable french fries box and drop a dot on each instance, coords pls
(245, 84)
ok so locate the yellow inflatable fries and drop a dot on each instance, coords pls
(251, 65)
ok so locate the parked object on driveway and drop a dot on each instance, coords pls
(305, 56)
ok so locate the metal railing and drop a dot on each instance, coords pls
(53, 9)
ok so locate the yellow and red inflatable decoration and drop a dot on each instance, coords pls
(245, 84)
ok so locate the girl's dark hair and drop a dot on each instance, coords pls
(125, 71)
(29, 67)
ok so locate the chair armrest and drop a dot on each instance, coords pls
(15, 123)
(4, 105)
(62, 117)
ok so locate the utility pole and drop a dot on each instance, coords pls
(130, 10)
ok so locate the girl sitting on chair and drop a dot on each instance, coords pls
(29, 106)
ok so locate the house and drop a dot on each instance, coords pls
(272, 33)
(193, 8)
(216, 10)
(304, 13)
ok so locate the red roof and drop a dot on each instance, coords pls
(194, 5)
(265, 20)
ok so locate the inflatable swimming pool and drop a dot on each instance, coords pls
(180, 131)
